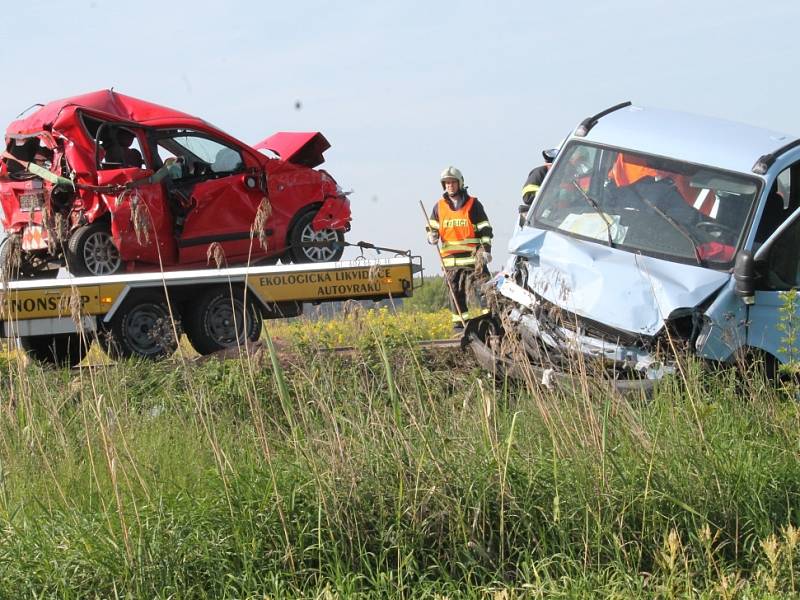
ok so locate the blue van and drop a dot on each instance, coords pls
(654, 231)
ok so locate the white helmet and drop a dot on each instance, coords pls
(452, 173)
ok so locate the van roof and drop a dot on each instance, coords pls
(692, 138)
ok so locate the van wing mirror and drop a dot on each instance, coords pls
(744, 275)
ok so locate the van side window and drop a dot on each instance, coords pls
(783, 264)
(783, 199)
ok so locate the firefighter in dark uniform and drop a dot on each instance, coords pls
(534, 181)
(459, 222)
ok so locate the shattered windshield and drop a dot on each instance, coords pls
(657, 206)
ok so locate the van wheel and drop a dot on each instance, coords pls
(60, 350)
(91, 251)
(309, 246)
(142, 327)
(219, 320)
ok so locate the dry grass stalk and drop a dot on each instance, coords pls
(61, 229)
(142, 225)
(259, 227)
(372, 275)
(352, 308)
(481, 262)
(13, 259)
(217, 254)
(75, 307)
(50, 226)
(478, 278)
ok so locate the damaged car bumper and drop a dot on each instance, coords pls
(334, 214)
(628, 365)
(548, 377)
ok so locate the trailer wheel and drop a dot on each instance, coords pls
(309, 246)
(219, 320)
(61, 350)
(142, 327)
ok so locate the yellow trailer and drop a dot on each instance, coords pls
(55, 320)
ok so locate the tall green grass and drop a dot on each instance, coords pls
(389, 474)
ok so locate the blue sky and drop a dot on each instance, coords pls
(403, 90)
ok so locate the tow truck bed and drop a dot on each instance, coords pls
(143, 314)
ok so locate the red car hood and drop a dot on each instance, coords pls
(301, 148)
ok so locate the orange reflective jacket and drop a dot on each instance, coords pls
(456, 231)
(626, 173)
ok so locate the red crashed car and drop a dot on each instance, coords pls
(104, 183)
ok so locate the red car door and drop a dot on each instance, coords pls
(141, 223)
(215, 199)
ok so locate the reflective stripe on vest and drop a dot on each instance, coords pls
(470, 314)
(464, 261)
(467, 245)
(456, 231)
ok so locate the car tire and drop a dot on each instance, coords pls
(302, 235)
(24, 265)
(60, 350)
(91, 251)
(218, 320)
(142, 327)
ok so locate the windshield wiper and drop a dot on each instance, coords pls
(593, 203)
(679, 227)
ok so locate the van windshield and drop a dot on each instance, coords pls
(656, 206)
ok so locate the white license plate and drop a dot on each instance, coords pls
(31, 201)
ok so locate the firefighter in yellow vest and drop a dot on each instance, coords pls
(459, 222)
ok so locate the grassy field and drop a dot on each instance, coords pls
(389, 472)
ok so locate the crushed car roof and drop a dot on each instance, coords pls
(107, 102)
(697, 139)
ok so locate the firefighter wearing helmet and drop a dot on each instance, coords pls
(535, 179)
(534, 182)
(459, 222)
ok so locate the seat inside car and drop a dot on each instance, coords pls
(226, 161)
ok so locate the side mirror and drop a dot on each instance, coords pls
(250, 182)
(523, 212)
(744, 275)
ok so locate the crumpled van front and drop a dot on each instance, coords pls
(654, 232)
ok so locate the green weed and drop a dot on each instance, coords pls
(295, 472)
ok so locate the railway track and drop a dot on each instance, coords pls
(425, 344)
(440, 344)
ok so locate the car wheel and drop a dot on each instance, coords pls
(218, 320)
(309, 246)
(142, 327)
(91, 251)
(16, 263)
(61, 350)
